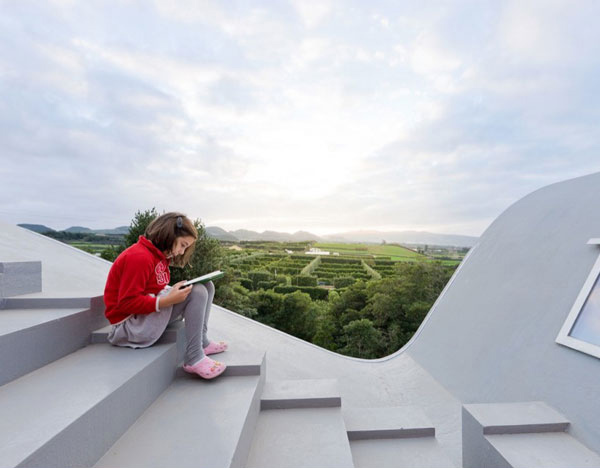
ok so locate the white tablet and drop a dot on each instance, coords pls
(205, 278)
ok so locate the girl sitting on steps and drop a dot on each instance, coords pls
(140, 303)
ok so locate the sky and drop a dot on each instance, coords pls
(315, 115)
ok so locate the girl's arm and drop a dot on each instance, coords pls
(134, 279)
(176, 295)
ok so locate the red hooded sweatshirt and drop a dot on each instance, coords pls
(140, 270)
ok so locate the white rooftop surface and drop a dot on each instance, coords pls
(63, 274)
(396, 381)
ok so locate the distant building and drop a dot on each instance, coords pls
(316, 251)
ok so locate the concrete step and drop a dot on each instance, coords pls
(397, 436)
(300, 438)
(32, 338)
(547, 450)
(312, 393)
(196, 423)
(515, 418)
(20, 278)
(520, 434)
(69, 412)
(387, 423)
(173, 332)
(417, 452)
(239, 361)
(44, 302)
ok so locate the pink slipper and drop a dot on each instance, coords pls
(206, 368)
(214, 348)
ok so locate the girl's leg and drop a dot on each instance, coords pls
(210, 289)
(193, 310)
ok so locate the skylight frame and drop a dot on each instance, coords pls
(564, 335)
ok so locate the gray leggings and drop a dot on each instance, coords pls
(196, 311)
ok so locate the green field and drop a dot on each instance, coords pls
(95, 248)
(395, 252)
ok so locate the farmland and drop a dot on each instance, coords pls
(394, 252)
(316, 268)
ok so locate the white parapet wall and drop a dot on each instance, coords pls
(492, 336)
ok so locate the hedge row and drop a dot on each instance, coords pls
(283, 270)
(315, 293)
(338, 273)
(357, 275)
(340, 260)
(301, 257)
(343, 281)
(340, 267)
(291, 264)
(304, 280)
(339, 270)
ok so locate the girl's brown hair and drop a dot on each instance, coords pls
(163, 231)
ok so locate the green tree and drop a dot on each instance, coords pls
(268, 306)
(345, 307)
(326, 331)
(139, 223)
(298, 316)
(235, 298)
(362, 339)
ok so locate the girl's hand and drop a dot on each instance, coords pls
(177, 294)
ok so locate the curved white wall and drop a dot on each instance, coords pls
(491, 337)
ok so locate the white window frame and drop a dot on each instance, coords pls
(564, 338)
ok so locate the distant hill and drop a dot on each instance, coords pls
(300, 236)
(376, 237)
(37, 228)
(404, 237)
(121, 230)
(221, 234)
(79, 229)
(246, 235)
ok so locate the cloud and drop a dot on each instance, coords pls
(295, 115)
(313, 12)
